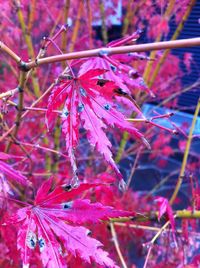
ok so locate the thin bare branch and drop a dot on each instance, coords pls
(115, 50)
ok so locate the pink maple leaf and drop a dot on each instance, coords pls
(45, 226)
(165, 208)
(7, 174)
(87, 102)
(11, 173)
(123, 75)
(119, 71)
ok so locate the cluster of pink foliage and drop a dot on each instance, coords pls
(57, 194)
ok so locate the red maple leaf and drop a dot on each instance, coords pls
(48, 226)
(87, 102)
(164, 207)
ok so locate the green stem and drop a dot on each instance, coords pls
(103, 23)
(186, 154)
(121, 147)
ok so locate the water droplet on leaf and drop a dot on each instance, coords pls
(67, 205)
(41, 243)
(65, 113)
(31, 240)
(113, 68)
(80, 107)
(82, 91)
(107, 107)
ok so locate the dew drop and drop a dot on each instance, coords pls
(67, 205)
(65, 113)
(88, 232)
(80, 107)
(67, 187)
(31, 240)
(107, 107)
(82, 91)
(103, 52)
(113, 68)
(41, 243)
